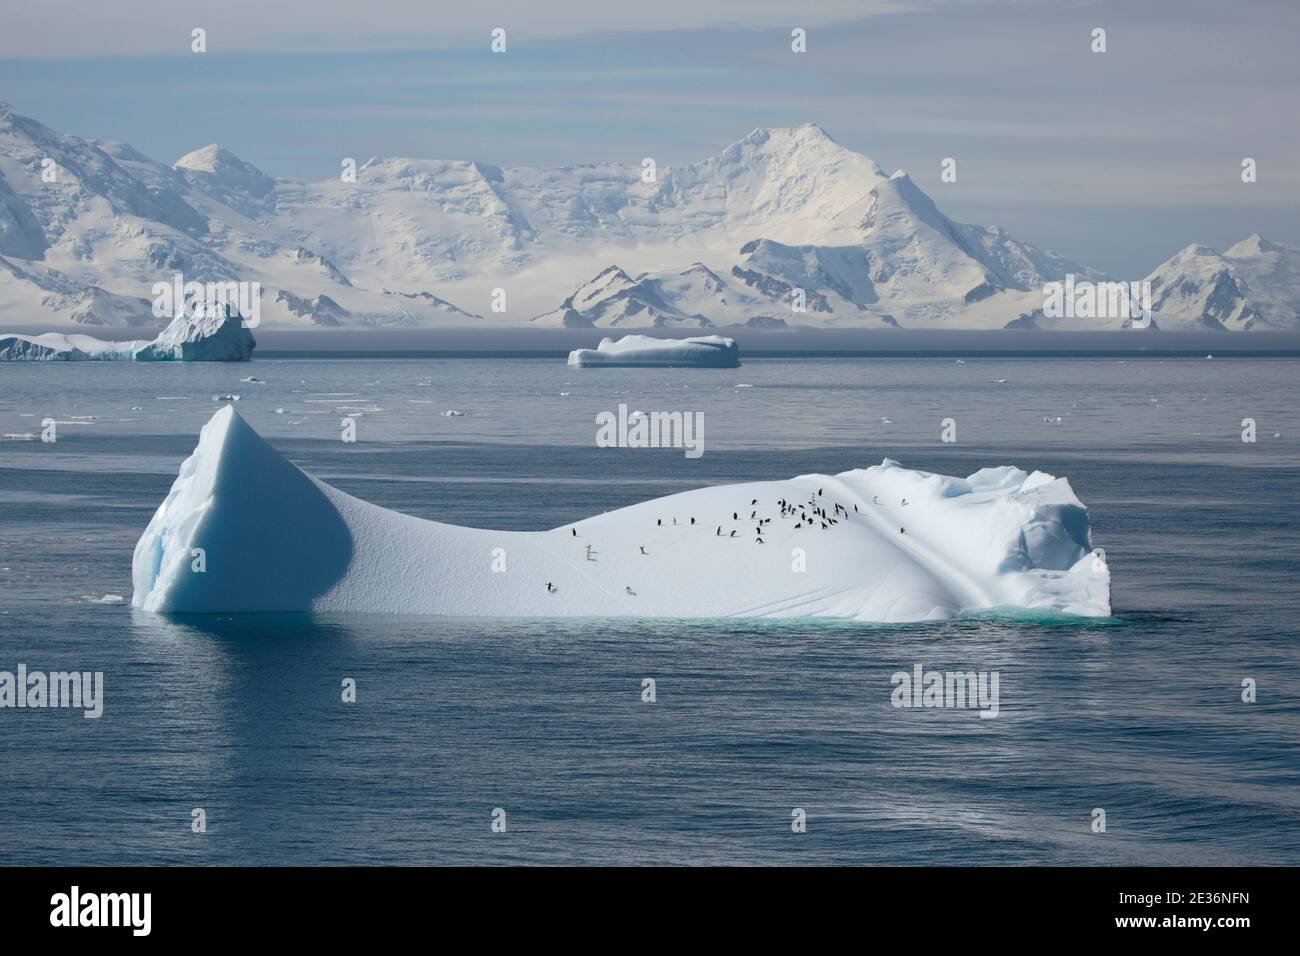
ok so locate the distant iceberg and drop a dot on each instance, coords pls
(707, 351)
(206, 338)
(245, 530)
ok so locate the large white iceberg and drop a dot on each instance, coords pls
(205, 338)
(706, 351)
(243, 529)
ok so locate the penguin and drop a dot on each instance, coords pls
(575, 531)
(692, 521)
(659, 521)
(643, 549)
(629, 590)
(718, 533)
(760, 540)
(550, 586)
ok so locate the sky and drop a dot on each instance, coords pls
(1116, 159)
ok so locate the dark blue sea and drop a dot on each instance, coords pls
(1141, 715)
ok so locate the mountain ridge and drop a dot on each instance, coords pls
(785, 226)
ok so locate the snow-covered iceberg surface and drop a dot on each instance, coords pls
(706, 351)
(243, 529)
(207, 338)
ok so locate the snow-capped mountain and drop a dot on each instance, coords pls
(784, 227)
(1254, 284)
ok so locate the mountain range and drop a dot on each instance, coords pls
(783, 228)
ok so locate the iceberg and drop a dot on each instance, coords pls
(706, 351)
(245, 530)
(205, 338)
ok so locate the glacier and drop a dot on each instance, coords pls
(205, 338)
(707, 351)
(722, 241)
(245, 530)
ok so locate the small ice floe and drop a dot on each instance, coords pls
(137, 408)
(253, 379)
(1209, 356)
(642, 351)
(999, 381)
(565, 394)
(106, 599)
(959, 362)
(225, 398)
(21, 436)
(279, 411)
(1052, 420)
(743, 385)
(886, 421)
(453, 413)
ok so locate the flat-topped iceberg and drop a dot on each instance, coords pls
(243, 529)
(205, 338)
(705, 351)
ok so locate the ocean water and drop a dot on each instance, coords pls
(1140, 715)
